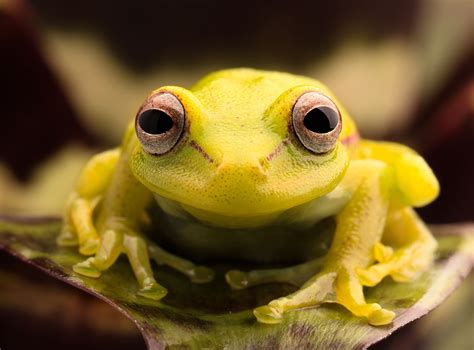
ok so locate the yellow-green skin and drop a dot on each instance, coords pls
(241, 179)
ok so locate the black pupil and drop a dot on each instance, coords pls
(155, 122)
(321, 120)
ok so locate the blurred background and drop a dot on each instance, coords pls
(74, 74)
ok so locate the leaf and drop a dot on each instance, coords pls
(213, 316)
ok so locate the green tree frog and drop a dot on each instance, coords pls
(243, 166)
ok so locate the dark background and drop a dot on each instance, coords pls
(74, 72)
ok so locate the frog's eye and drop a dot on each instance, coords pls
(160, 123)
(316, 122)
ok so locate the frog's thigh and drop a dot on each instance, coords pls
(405, 230)
(416, 180)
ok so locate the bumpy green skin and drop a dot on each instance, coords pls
(239, 174)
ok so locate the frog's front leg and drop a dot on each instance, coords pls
(118, 236)
(116, 223)
(78, 227)
(359, 228)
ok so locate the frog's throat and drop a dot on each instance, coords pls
(181, 210)
(304, 215)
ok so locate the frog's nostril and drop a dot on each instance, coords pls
(258, 168)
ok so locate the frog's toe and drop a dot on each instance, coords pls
(350, 294)
(382, 253)
(380, 317)
(317, 290)
(237, 279)
(268, 314)
(371, 276)
(402, 267)
(201, 274)
(153, 291)
(407, 273)
(87, 268)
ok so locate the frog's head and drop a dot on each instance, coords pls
(242, 143)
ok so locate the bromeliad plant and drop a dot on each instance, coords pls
(213, 316)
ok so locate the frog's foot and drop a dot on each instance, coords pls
(113, 243)
(342, 287)
(78, 227)
(295, 275)
(403, 265)
(197, 274)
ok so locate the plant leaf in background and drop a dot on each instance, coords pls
(213, 316)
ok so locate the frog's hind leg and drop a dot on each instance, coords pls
(416, 186)
(416, 247)
(295, 275)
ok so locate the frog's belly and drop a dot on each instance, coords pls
(277, 244)
(291, 238)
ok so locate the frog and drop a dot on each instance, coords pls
(245, 164)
